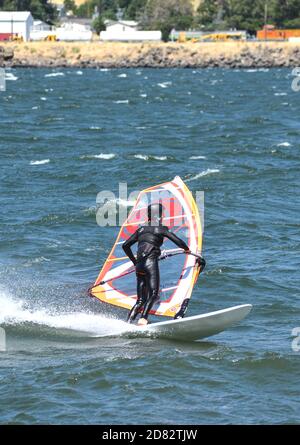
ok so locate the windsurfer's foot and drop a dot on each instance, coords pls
(142, 322)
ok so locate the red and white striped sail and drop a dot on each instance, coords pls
(178, 273)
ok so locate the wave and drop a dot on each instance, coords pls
(53, 119)
(42, 162)
(15, 313)
(143, 157)
(197, 157)
(126, 101)
(37, 260)
(95, 128)
(284, 144)
(122, 75)
(164, 84)
(160, 158)
(207, 172)
(106, 156)
(10, 76)
(54, 74)
(271, 360)
(79, 73)
(147, 157)
(50, 219)
(90, 211)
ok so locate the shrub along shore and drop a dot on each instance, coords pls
(155, 55)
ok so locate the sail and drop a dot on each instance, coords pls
(116, 283)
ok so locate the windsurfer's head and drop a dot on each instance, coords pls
(155, 213)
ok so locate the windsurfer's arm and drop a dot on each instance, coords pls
(127, 247)
(178, 241)
(200, 260)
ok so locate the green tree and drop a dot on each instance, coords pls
(135, 9)
(40, 9)
(244, 14)
(98, 25)
(286, 13)
(70, 5)
(106, 8)
(292, 24)
(240, 14)
(171, 14)
(85, 9)
(207, 12)
(168, 14)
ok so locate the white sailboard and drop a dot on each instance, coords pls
(192, 328)
(197, 326)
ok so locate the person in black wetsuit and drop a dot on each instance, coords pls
(149, 238)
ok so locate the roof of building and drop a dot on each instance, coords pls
(79, 20)
(16, 16)
(120, 22)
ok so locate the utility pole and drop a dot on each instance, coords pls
(12, 28)
(266, 18)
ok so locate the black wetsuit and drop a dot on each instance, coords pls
(149, 239)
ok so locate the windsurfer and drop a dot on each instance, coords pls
(150, 238)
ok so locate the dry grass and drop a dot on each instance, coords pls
(116, 51)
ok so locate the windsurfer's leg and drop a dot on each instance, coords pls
(153, 287)
(141, 297)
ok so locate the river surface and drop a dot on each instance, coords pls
(67, 135)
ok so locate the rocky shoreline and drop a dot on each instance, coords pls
(152, 55)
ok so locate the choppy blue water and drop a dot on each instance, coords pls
(69, 134)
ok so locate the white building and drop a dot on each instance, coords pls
(15, 23)
(70, 31)
(127, 31)
(39, 30)
(121, 25)
(38, 25)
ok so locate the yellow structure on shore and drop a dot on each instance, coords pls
(224, 36)
(212, 37)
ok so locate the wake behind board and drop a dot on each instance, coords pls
(189, 328)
